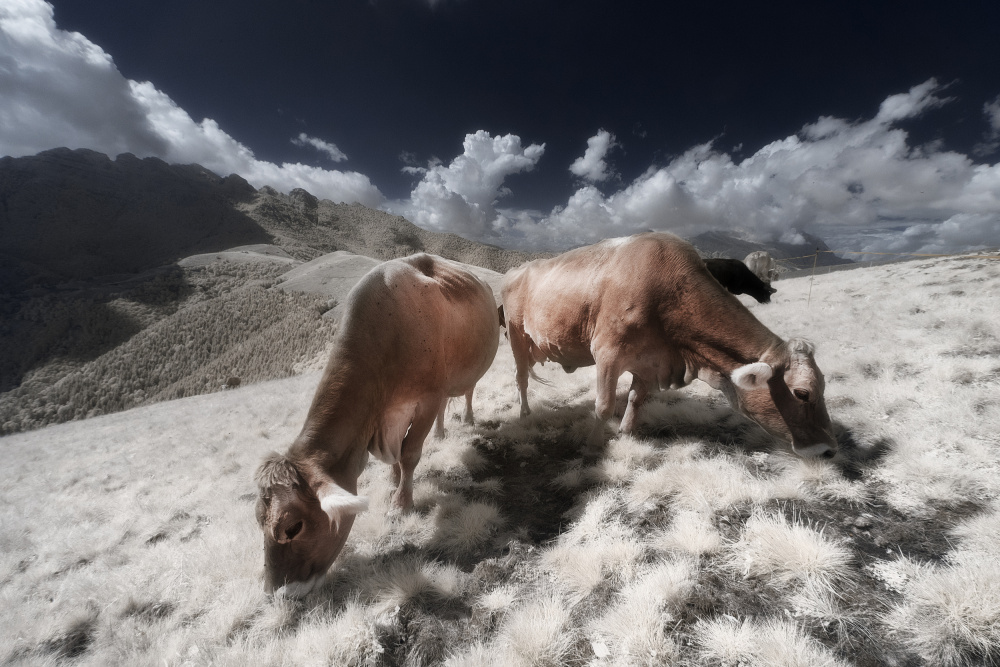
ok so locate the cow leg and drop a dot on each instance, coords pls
(410, 451)
(439, 422)
(604, 407)
(523, 362)
(636, 395)
(469, 419)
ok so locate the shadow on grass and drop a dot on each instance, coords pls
(427, 609)
(856, 459)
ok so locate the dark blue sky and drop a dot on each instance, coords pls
(380, 78)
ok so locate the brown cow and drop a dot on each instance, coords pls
(647, 305)
(415, 332)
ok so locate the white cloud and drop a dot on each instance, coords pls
(833, 177)
(330, 149)
(461, 197)
(592, 166)
(60, 89)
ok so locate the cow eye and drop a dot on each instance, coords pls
(293, 530)
(801, 394)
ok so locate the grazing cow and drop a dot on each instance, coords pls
(415, 332)
(762, 265)
(738, 279)
(647, 305)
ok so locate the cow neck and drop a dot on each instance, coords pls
(341, 419)
(734, 338)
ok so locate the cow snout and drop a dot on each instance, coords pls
(296, 590)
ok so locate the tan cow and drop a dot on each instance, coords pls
(762, 265)
(415, 332)
(647, 305)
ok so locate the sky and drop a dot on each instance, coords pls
(544, 125)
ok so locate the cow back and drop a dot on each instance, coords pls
(423, 320)
(653, 282)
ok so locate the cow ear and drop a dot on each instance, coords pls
(752, 376)
(339, 503)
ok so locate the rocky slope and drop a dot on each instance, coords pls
(307, 227)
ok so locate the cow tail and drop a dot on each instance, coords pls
(534, 376)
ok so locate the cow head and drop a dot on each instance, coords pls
(784, 394)
(306, 518)
(762, 293)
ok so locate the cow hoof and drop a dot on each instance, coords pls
(402, 504)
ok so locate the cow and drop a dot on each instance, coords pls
(738, 279)
(762, 265)
(646, 304)
(415, 332)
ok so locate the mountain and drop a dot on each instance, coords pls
(307, 227)
(77, 215)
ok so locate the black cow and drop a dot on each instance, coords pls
(738, 279)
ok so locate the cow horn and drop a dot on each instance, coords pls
(752, 376)
(338, 503)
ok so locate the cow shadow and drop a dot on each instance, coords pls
(856, 458)
(511, 466)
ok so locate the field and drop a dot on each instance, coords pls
(129, 538)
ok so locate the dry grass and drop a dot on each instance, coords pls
(130, 539)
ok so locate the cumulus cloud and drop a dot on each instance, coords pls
(834, 177)
(60, 89)
(592, 166)
(461, 197)
(330, 149)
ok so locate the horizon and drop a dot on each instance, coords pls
(430, 110)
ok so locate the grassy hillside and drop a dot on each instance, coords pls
(130, 538)
(179, 333)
